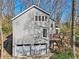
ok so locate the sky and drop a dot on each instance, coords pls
(66, 10)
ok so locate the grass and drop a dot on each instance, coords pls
(63, 55)
(77, 56)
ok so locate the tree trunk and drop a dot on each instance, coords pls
(73, 27)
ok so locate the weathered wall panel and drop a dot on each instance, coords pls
(28, 31)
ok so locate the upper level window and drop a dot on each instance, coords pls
(42, 18)
(45, 18)
(36, 18)
(44, 32)
(39, 18)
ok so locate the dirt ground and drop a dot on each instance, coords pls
(47, 56)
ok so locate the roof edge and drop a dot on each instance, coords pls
(29, 9)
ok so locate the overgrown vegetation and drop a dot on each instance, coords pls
(6, 25)
(77, 38)
(65, 27)
(63, 55)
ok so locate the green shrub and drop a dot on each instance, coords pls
(70, 52)
(6, 26)
(60, 56)
(63, 55)
(77, 38)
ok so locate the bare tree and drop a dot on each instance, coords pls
(73, 27)
(7, 7)
(1, 7)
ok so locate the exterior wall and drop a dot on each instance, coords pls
(28, 31)
(53, 28)
(57, 30)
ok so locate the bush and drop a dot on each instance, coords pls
(63, 55)
(77, 38)
(6, 26)
(70, 52)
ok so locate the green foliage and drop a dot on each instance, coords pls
(70, 52)
(6, 25)
(77, 38)
(77, 32)
(63, 55)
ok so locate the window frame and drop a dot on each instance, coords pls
(45, 32)
(46, 18)
(39, 18)
(43, 18)
(36, 18)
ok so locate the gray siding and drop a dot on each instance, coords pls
(28, 31)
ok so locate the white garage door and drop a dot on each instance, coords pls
(22, 50)
(39, 49)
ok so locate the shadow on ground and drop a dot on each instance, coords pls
(8, 44)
